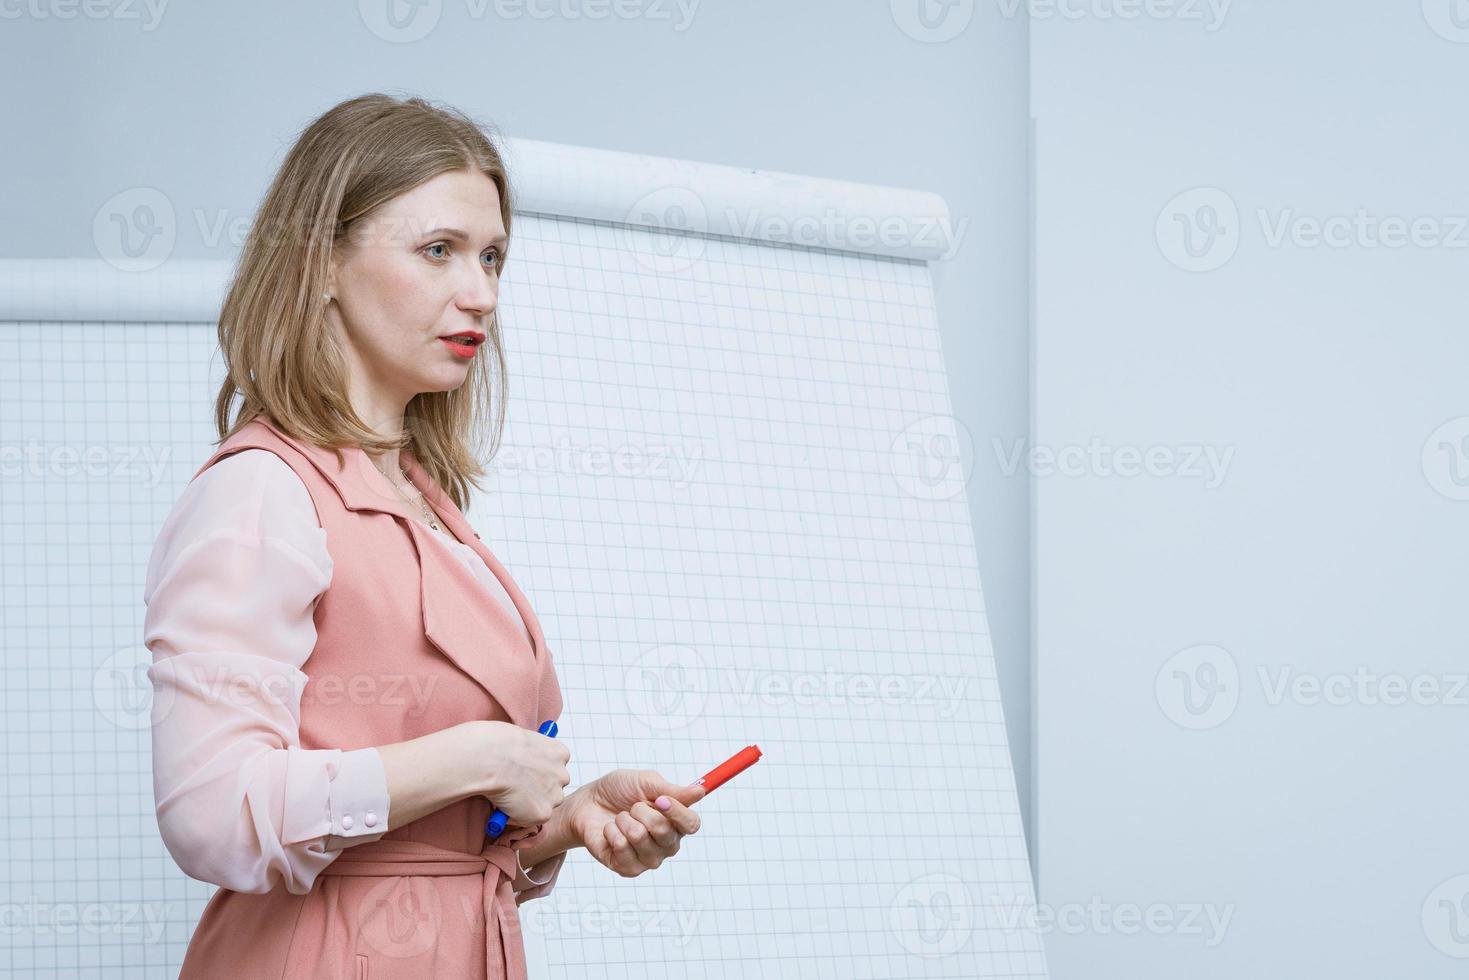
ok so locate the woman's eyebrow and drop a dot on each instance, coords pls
(462, 236)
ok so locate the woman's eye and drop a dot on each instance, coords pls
(493, 254)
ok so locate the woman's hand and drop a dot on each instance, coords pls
(618, 820)
(521, 771)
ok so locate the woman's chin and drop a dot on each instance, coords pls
(445, 378)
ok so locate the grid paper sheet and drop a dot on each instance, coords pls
(727, 484)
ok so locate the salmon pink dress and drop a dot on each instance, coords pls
(298, 616)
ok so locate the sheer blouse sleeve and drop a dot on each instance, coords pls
(231, 591)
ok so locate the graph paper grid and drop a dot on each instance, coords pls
(727, 484)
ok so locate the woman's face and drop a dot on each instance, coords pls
(418, 270)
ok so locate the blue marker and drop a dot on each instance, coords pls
(498, 819)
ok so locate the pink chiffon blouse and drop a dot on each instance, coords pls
(231, 589)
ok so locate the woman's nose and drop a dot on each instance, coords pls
(480, 294)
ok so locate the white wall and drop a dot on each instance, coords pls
(199, 101)
(1326, 832)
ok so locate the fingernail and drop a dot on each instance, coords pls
(663, 802)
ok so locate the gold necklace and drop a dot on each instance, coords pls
(428, 515)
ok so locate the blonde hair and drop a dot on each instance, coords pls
(280, 358)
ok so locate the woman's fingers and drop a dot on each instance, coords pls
(641, 838)
(649, 851)
(684, 820)
(660, 828)
(624, 859)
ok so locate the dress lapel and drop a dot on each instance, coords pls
(491, 625)
(473, 631)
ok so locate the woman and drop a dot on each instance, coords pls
(346, 681)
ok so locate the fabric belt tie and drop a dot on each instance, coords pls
(496, 865)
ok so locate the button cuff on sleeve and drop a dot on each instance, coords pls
(358, 799)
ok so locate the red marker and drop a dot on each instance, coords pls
(733, 766)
